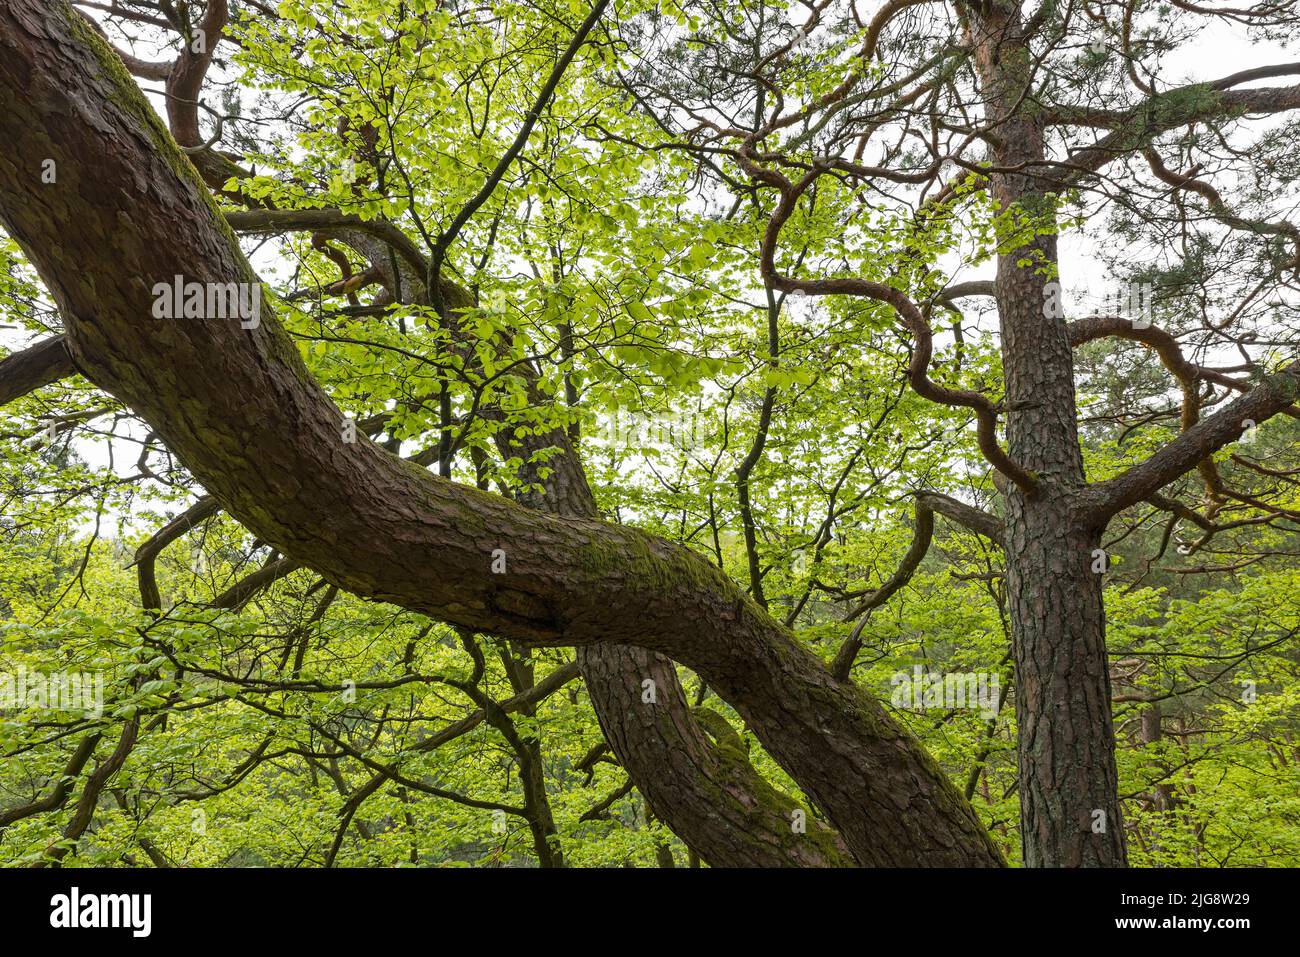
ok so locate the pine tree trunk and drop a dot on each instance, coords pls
(1069, 810)
(1069, 814)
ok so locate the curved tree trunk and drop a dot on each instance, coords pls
(239, 408)
(720, 807)
(708, 795)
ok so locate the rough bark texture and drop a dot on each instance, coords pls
(705, 791)
(1067, 775)
(47, 361)
(708, 796)
(238, 407)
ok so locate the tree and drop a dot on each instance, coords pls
(1022, 73)
(1003, 107)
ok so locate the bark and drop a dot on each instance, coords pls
(1069, 809)
(707, 794)
(719, 806)
(239, 409)
(23, 372)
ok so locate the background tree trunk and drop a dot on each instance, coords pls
(1066, 746)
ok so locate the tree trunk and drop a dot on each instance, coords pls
(1069, 811)
(708, 794)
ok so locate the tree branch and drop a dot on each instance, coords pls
(1273, 395)
(24, 372)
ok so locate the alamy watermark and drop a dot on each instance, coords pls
(634, 430)
(918, 690)
(1134, 301)
(179, 299)
(74, 909)
(56, 691)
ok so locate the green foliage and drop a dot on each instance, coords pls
(611, 295)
